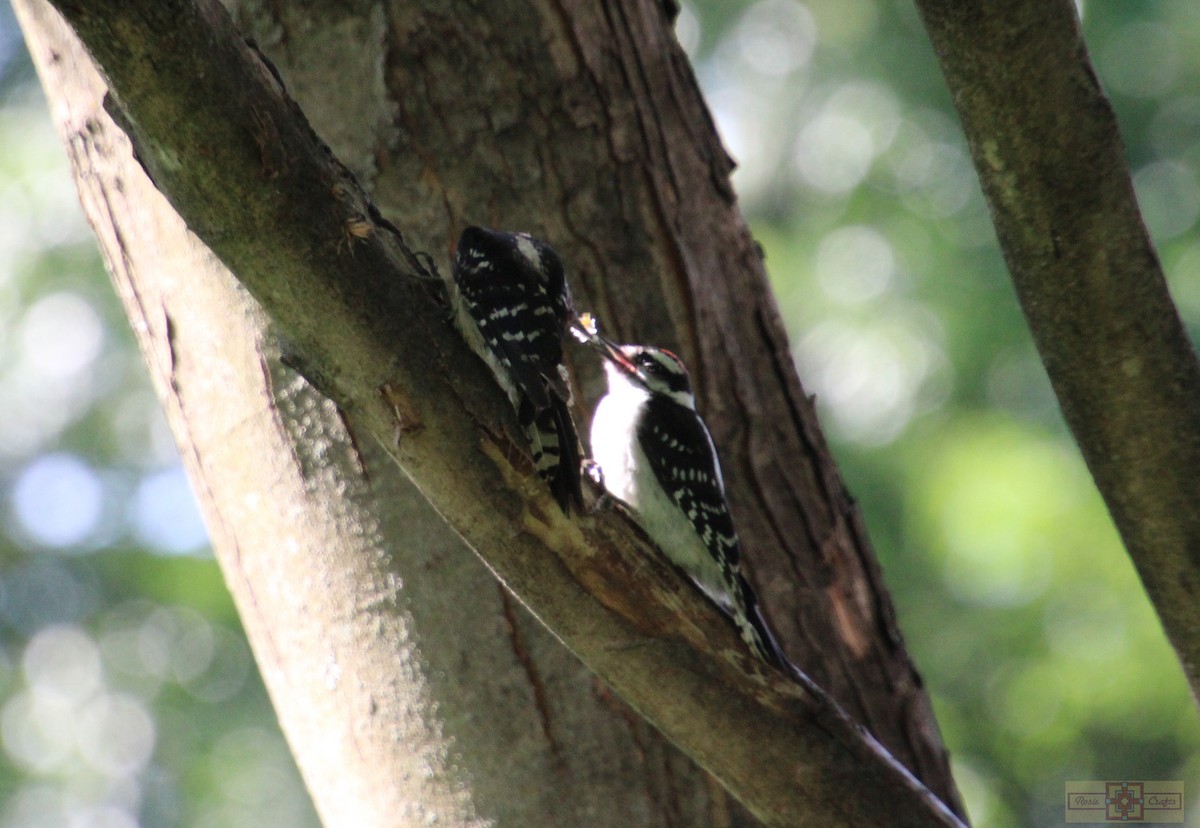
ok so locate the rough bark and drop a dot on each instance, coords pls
(371, 621)
(584, 123)
(346, 292)
(1052, 164)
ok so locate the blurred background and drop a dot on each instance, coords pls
(127, 693)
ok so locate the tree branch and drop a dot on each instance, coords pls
(1052, 165)
(215, 132)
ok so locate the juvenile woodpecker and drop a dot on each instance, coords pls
(658, 458)
(512, 305)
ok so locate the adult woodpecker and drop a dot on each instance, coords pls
(658, 458)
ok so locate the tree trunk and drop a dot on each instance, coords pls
(1053, 167)
(588, 129)
(487, 719)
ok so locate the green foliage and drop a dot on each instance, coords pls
(1045, 661)
(126, 688)
(128, 695)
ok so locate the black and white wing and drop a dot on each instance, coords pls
(514, 290)
(513, 306)
(681, 453)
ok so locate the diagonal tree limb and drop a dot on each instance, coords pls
(215, 132)
(1052, 164)
(340, 570)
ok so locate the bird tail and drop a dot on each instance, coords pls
(754, 630)
(554, 443)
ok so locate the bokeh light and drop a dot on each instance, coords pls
(776, 37)
(122, 668)
(1169, 196)
(57, 501)
(1044, 659)
(855, 264)
(165, 516)
(1140, 59)
(128, 696)
(61, 336)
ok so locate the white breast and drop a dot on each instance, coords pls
(629, 478)
(614, 447)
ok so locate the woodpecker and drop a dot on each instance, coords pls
(658, 458)
(512, 304)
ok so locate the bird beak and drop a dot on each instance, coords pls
(585, 331)
(613, 353)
